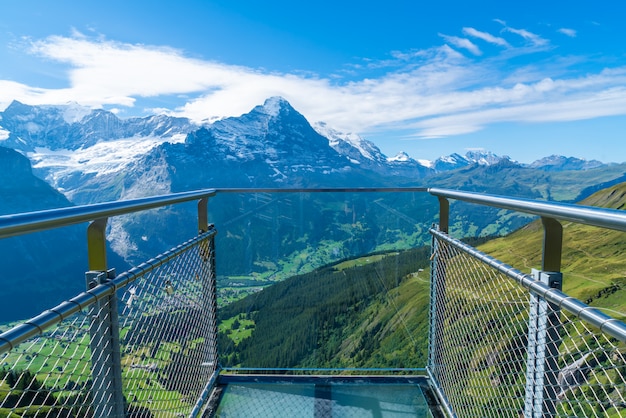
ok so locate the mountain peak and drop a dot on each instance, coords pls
(274, 105)
(400, 157)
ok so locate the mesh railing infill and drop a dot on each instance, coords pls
(167, 347)
(479, 347)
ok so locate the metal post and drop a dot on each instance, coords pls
(209, 306)
(544, 329)
(436, 361)
(444, 214)
(96, 245)
(543, 349)
(203, 216)
(552, 244)
(106, 367)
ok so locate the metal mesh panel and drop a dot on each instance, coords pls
(167, 318)
(479, 340)
(162, 346)
(49, 374)
(591, 379)
(479, 355)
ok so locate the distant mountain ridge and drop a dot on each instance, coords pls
(70, 145)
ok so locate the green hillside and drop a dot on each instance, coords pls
(593, 262)
(373, 312)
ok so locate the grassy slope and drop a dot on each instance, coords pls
(593, 262)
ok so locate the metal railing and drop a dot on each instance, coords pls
(505, 343)
(143, 343)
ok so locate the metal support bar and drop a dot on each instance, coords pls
(444, 214)
(96, 245)
(436, 363)
(552, 244)
(543, 349)
(106, 366)
(203, 216)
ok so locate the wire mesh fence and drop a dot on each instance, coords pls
(155, 361)
(497, 350)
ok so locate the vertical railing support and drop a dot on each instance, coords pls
(96, 245)
(106, 365)
(203, 214)
(436, 362)
(544, 330)
(444, 214)
(209, 309)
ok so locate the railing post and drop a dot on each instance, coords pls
(203, 215)
(444, 214)
(544, 330)
(106, 365)
(436, 366)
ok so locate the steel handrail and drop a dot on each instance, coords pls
(24, 223)
(600, 217)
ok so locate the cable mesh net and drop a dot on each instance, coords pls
(480, 344)
(167, 348)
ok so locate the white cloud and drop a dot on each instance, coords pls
(487, 37)
(529, 36)
(568, 32)
(462, 43)
(534, 39)
(437, 92)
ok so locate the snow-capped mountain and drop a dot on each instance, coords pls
(560, 163)
(359, 150)
(454, 161)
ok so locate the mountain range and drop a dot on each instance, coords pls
(75, 155)
(76, 149)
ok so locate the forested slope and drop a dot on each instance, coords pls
(345, 315)
(375, 314)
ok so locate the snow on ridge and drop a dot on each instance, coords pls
(400, 157)
(74, 112)
(272, 105)
(334, 137)
(102, 158)
(4, 134)
(426, 163)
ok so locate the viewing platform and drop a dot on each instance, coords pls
(368, 309)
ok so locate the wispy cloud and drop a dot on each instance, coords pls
(568, 32)
(436, 92)
(487, 37)
(462, 43)
(532, 38)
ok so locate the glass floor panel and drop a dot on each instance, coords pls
(322, 398)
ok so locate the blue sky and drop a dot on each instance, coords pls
(524, 79)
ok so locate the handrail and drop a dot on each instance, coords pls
(324, 190)
(24, 223)
(600, 217)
